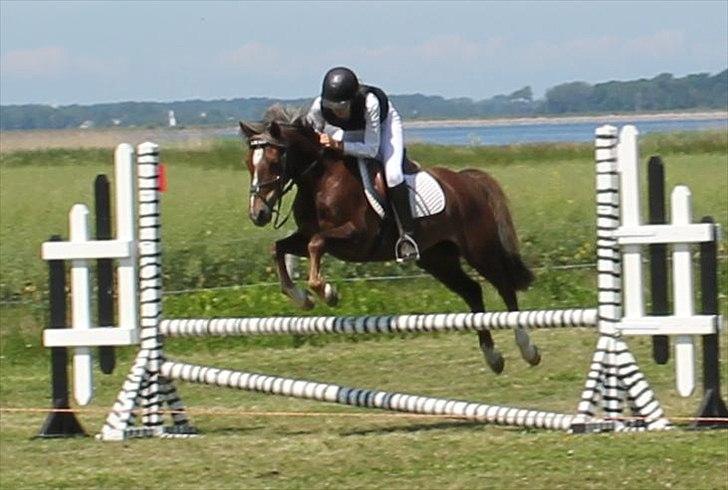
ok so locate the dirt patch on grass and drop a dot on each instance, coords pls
(109, 138)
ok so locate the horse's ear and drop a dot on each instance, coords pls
(299, 122)
(274, 129)
(250, 129)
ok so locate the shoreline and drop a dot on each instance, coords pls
(596, 119)
(201, 136)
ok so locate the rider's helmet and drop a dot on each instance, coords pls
(339, 88)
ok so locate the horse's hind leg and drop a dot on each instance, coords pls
(494, 272)
(529, 351)
(443, 262)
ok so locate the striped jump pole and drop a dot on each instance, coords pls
(357, 397)
(440, 322)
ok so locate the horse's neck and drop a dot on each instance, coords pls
(349, 164)
(319, 180)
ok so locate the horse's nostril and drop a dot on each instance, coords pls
(260, 218)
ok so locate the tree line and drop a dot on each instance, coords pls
(661, 93)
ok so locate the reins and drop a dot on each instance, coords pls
(286, 189)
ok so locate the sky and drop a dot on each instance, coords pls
(63, 53)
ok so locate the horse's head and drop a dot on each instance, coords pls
(278, 154)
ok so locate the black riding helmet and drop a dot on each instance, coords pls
(340, 86)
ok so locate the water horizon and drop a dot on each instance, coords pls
(524, 133)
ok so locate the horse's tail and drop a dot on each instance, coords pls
(518, 272)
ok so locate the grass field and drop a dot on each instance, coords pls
(258, 441)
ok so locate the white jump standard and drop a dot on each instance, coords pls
(613, 382)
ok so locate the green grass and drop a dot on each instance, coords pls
(209, 242)
(243, 448)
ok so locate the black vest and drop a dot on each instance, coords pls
(356, 119)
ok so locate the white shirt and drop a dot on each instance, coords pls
(361, 143)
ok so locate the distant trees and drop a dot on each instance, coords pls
(664, 92)
(661, 93)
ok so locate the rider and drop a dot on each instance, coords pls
(363, 123)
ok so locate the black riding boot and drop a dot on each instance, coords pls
(406, 248)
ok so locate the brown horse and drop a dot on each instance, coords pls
(332, 214)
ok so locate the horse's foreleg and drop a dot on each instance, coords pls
(316, 250)
(294, 244)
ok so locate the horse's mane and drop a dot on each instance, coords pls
(281, 114)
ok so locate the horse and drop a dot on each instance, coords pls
(331, 212)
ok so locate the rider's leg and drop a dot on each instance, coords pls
(392, 152)
(406, 247)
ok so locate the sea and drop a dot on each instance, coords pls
(474, 133)
(507, 134)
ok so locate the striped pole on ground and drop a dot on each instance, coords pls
(399, 402)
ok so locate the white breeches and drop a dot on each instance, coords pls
(391, 145)
(391, 149)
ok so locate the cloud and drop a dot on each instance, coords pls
(480, 66)
(469, 65)
(450, 49)
(456, 48)
(45, 61)
(251, 55)
(660, 44)
(506, 54)
(609, 50)
(55, 61)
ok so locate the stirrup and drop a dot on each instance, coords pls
(406, 249)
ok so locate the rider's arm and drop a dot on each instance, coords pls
(372, 132)
(314, 117)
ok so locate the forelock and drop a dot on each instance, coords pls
(282, 114)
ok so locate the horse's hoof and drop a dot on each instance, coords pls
(307, 304)
(301, 298)
(495, 360)
(331, 296)
(533, 356)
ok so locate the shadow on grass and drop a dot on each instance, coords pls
(455, 424)
(231, 430)
(401, 428)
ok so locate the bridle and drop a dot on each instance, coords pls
(285, 181)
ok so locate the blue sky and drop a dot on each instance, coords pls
(89, 52)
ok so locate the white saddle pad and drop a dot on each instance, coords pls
(426, 196)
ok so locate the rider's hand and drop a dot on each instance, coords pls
(330, 142)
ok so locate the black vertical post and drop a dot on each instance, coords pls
(59, 423)
(658, 255)
(712, 405)
(105, 271)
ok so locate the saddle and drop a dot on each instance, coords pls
(426, 195)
